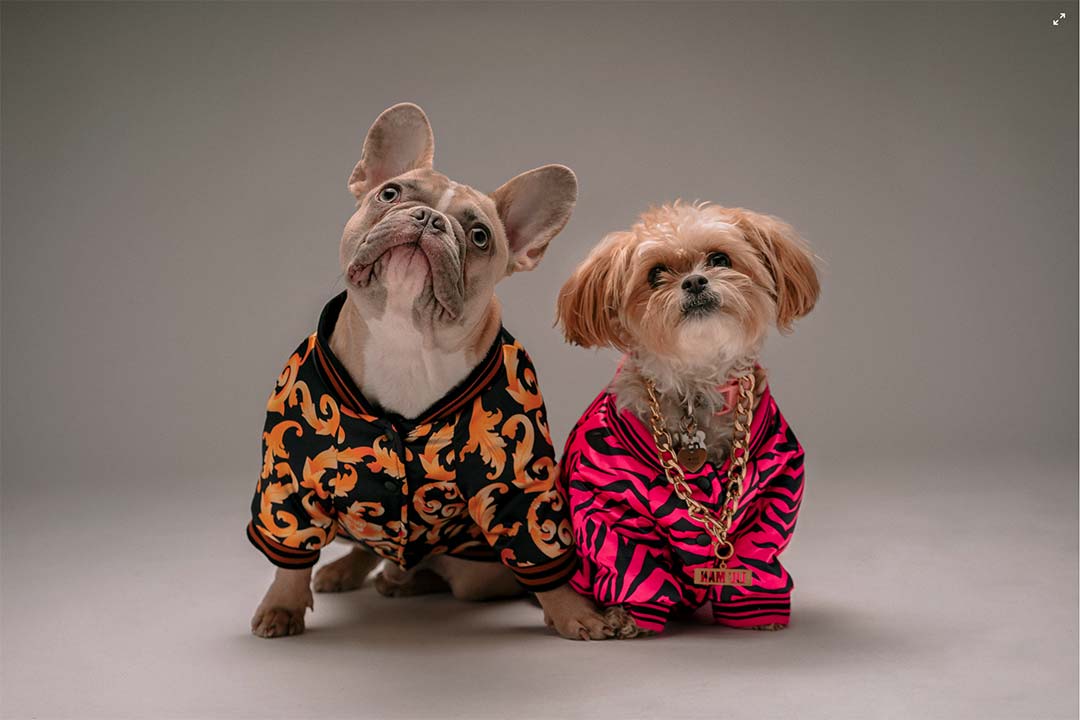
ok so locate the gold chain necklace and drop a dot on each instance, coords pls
(716, 527)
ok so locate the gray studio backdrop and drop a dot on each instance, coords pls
(174, 192)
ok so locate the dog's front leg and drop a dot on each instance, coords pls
(282, 609)
(573, 616)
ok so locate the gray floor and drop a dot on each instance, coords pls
(930, 592)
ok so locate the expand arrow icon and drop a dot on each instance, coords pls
(1062, 16)
(1056, 22)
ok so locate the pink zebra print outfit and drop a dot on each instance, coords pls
(637, 543)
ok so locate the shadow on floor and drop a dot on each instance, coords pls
(820, 635)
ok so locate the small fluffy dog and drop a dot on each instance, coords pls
(688, 294)
(409, 422)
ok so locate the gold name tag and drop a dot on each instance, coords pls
(728, 576)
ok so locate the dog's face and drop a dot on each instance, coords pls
(692, 284)
(429, 251)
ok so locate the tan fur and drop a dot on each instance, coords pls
(346, 573)
(573, 616)
(789, 260)
(590, 304)
(281, 611)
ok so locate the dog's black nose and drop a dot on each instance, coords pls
(428, 217)
(695, 284)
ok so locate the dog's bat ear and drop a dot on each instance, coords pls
(533, 208)
(789, 260)
(591, 301)
(399, 140)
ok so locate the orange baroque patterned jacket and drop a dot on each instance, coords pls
(474, 476)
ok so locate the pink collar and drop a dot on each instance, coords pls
(730, 391)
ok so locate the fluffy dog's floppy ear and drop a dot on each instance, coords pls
(591, 301)
(399, 140)
(533, 208)
(790, 262)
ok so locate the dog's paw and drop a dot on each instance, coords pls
(277, 622)
(623, 623)
(770, 627)
(385, 586)
(345, 574)
(572, 616)
(281, 611)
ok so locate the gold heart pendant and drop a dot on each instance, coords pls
(692, 458)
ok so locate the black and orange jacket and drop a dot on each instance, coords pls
(474, 477)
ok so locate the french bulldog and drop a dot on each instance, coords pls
(427, 442)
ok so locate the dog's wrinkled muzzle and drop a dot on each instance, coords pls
(428, 230)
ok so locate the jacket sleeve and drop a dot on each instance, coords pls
(292, 514)
(507, 472)
(625, 558)
(765, 525)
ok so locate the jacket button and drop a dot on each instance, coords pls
(390, 485)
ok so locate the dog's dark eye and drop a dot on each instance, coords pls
(390, 193)
(719, 259)
(480, 236)
(655, 273)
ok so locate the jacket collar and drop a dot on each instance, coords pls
(348, 395)
(636, 437)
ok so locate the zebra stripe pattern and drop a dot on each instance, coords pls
(638, 546)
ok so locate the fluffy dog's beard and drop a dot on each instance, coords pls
(685, 339)
(700, 306)
(708, 347)
(690, 356)
(690, 350)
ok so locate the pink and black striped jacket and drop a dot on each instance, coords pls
(637, 543)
